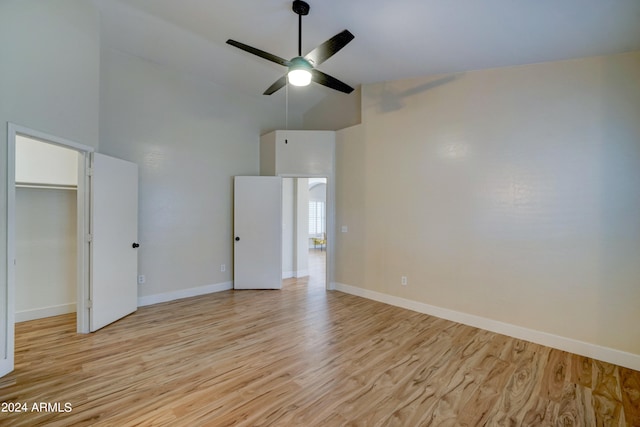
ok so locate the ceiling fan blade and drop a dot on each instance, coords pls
(260, 53)
(327, 49)
(330, 82)
(277, 85)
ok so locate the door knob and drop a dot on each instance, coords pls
(135, 245)
(237, 239)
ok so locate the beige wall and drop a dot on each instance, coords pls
(510, 194)
(337, 111)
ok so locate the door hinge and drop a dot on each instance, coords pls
(89, 304)
(89, 171)
(89, 238)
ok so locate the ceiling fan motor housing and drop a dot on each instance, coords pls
(300, 63)
(301, 7)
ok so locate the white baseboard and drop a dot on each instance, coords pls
(594, 351)
(184, 293)
(287, 274)
(301, 273)
(40, 313)
(290, 274)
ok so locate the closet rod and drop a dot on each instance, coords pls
(46, 186)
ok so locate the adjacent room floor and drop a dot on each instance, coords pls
(302, 356)
(317, 270)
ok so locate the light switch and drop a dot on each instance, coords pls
(344, 229)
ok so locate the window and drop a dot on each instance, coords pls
(317, 217)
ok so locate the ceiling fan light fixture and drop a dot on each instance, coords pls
(299, 72)
(299, 77)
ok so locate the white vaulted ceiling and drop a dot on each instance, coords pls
(393, 39)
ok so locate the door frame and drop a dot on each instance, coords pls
(330, 222)
(83, 205)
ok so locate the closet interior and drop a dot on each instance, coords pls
(46, 179)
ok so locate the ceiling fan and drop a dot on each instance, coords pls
(302, 68)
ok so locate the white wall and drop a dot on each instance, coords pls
(51, 67)
(41, 163)
(49, 81)
(288, 224)
(298, 153)
(318, 192)
(189, 138)
(301, 260)
(46, 251)
(507, 194)
(268, 154)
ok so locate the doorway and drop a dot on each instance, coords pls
(107, 224)
(44, 175)
(46, 200)
(304, 229)
(7, 303)
(317, 238)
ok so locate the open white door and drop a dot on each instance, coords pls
(114, 235)
(257, 232)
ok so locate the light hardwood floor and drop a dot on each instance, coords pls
(304, 357)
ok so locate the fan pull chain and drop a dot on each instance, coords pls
(286, 105)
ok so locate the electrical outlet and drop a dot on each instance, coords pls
(141, 279)
(403, 280)
(223, 267)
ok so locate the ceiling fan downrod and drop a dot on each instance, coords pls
(301, 8)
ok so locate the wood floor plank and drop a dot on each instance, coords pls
(304, 357)
(555, 375)
(581, 370)
(630, 384)
(477, 410)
